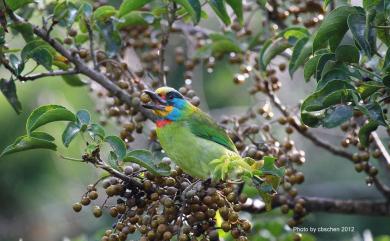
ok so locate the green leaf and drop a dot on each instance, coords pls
(135, 18)
(327, 2)
(219, 8)
(369, 4)
(333, 28)
(46, 114)
(386, 81)
(301, 52)
(25, 29)
(37, 140)
(365, 131)
(117, 145)
(374, 112)
(70, 132)
(337, 116)
(96, 131)
(347, 53)
(310, 67)
(16, 64)
(269, 167)
(128, 6)
(81, 38)
(224, 46)
(313, 119)
(294, 33)
(16, 4)
(145, 159)
(34, 45)
(236, 5)
(192, 7)
(83, 117)
(383, 34)
(111, 37)
(333, 92)
(113, 160)
(8, 89)
(321, 64)
(73, 80)
(386, 62)
(43, 57)
(357, 25)
(65, 13)
(271, 50)
(104, 12)
(366, 89)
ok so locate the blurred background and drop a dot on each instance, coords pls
(38, 188)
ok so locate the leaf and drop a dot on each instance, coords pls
(8, 89)
(70, 132)
(25, 29)
(145, 159)
(46, 114)
(347, 53)
(321, 64)
(357, 25)
(16, 4)
(386, 81)
(65, 13)
(96, 130)
(37, 140)
(337, 116)
(32, 46)
(113, 160)
(117, 145)
(83, 117)
(128, 6)
(219, 8)
(374, 112)
(135, 18)
(383, 34)
(310, 67)
(333, 28)
(236, 5)
(333, 92)
(365, 131)
(369, 4)
(42, 57)
(111, 37)
(73, 80)
(366, 89)
(224, 46)
(271, 50)
(104, 12)
(301, 52)
(192, 7)
(270, 168)
(386, 62)
(16, 64)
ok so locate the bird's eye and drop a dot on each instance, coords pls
(170, 97)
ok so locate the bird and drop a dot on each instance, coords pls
(189, 136)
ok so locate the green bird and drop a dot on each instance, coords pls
(190, 137)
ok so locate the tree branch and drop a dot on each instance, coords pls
(91, 42)
(164, 43)
(317, 204)
(84, 69)
(382, 148)
(382, 188)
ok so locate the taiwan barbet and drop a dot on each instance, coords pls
(189, 136)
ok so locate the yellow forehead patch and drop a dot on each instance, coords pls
(164, 90)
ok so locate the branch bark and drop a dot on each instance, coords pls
(328, 205)
(382, 188)
(84, 69)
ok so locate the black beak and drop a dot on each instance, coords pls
(158, 102)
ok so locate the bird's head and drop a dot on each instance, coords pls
(167, 103)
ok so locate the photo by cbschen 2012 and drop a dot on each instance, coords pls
(220, 120)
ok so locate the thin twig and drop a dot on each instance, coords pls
(91, 43)
(382, 148)
(382, 188)
(164, 42)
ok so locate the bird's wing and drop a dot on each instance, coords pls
(205, 127)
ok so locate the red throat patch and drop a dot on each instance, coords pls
(162, 123)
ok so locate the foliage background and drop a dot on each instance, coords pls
(38, 188)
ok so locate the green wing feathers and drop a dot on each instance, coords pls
(203, 126)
